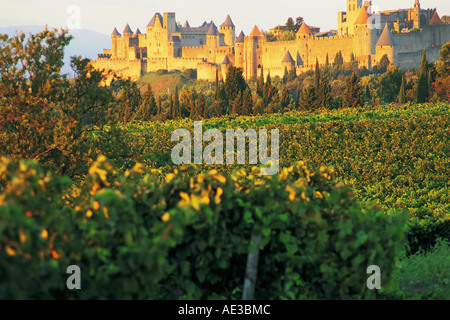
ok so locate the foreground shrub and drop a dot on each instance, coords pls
(190, 236)
(425, 275)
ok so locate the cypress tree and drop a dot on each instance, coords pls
(327, 61)
(159, 105)
(297, 100)
(236, 105)
(402, 95)
(285, 100)
(286, 74)
(325, 99)
(422, 93)
(200, 106)
(176, 105)
(353, 93)
(247, 102)
(170, 115)
(148, 106)
(307, 100)
(317, 78)
(217, 91)
(260, 83)
(268, 92)
(422, 90)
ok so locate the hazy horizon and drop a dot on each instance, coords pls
(102, 15)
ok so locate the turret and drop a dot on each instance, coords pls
(224, 67)
(304, 32)
(251, 45)
(288, 62)
(115, 35)
(239, 50)
(386, 45)
(229, 30)
(169, 22)
(362, 42)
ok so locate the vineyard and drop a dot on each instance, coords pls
(87, 180)
(356, 187)
(395, 157)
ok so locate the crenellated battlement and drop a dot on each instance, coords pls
(166, 46)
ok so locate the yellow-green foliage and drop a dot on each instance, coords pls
(189, 236)
(394, 156)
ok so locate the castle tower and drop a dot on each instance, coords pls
(157, 38)
(363, 36)
(386, 45)
(224, 67)
(251, 46)
(115, 36)
(239, 50)
(169, 22)
(228, 29)
(353, 10)
(416, 14)
(288, 62)
(175, 49)
(212, 41)
(304, 33)
(127, 34)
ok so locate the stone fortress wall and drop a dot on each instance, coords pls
(165, 45)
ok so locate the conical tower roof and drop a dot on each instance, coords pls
(138, 31)
(363, 16)
(241, 37)
(204, 24)
(115, 32)
(127, 29)
(212, 30)
(255, 32)
(153, 20)
(288, 57)
(228, 22)
(386, 38)
(226, 61)
(186, 25)
(435, 19)
(304, 29)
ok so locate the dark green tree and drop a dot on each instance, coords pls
(402, 93)
(308, 99)
(324, 98)
(390, 83)
(285, 99)
(148, 107)
(247, 102)
(317, 78)
(176, 105)
(353, 93)
(235, 82)
(423, 89)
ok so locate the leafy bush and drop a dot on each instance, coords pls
(189, 236)
(190, 74)
(161, 72)
(425, 275)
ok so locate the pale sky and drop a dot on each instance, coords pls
(103, 15)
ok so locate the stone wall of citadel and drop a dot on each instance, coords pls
(123, 67)
(410, 45)
(309, 49)
(207, 71)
